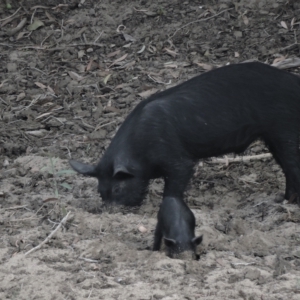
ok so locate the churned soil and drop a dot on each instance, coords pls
(70, 73)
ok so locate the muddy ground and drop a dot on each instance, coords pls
(66, 83)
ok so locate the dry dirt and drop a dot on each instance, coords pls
(66, 86)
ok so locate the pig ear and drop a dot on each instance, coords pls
(197, 240)
(169, 242)
(82, 168)
(121, 170)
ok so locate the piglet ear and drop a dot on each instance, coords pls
(122, 171)
(169, 242)
(197, 240)
(84, 169)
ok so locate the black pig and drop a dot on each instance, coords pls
(218, 112)
(176, 225)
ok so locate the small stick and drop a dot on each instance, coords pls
(98, 36)
(62, 222)
(18, 28)
(11, 15)
(106, 124)
(289, 47)
(243, 264)
(240, 158)
(13, 207)
(26, 219)
(158, 81)
(200, 20)
(32, 16)
(39, 6)
(89, 260)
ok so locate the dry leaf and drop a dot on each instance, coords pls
(129, 65)
(40, 85)
(106, 78)
(170, 52)
(204, 66)
(207, 54)
(147, 93)
(293, 23)
(49, 17)
(37, 133)
(75, 76)
(119, 59)
(171, 65)
(120, 86)
(20, 35)
(283, 24)
(185, 64)
(128, 38)
(43, 115)
(50, 89)
(150, 13)
(142, 49)
(3, 82)
(21, 96)
(113, 53)
(175, 74)
(278, 59)
(88, 67)
(220, 262)
(152, 49)
(35, 25)
(81, 54)
(245, 19)
(70, 21)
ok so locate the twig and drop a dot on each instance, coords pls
(25, 219)
(239, 158)
(62, 222)
(11, 15)
(6, 45)
(243, 264)
(289, 47)
(2, 99)
(260, 203)
(18, 28)
(32, 16)
(39, 6)
(13, 207)
(247, 181)
(201, 20)
(106, 124)
(89, 260)
(159, 81)
(38, 70)
(98, 36)
(45, 39)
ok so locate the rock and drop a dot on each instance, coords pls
(11, 67)
(252, 274)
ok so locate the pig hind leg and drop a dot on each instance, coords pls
(285, 148)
